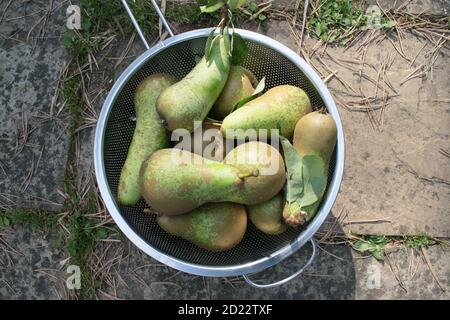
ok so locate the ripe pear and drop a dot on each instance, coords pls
(315, 134)
(206, 141)
(177, 181)
(149, 135)
(191, 99)
(268, 216)
(213, 226)
(262, 168)
(240, 84)
(279, 108)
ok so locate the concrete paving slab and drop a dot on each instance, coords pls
(398, 172)
(33, 145)
(30, 266)
(431, 7)
(97, 86)
(404, 275)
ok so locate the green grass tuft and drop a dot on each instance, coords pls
(30, 219)
(376, 244)
(373, 244)
(419, 241)
(335, 20)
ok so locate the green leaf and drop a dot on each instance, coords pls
(294, 185)
(262, 17)
(68, 38)
(86, 24)
(389, 24)
(259, 88)
(240, 50)
(101, 233)
(376, 250)
(253, 6)
(378, 253)
(6, 221)
(213, 5)
(318, 30)
(362, 246)
(208, 44)
(236, 4)
(314, 175)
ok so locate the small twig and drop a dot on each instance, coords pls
(427, 259)
(444, 152)
(305, 10)
(368, 221)
(330, 76)
(5, 10)
(329, 253)
(400, 282)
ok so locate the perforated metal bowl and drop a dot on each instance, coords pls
(177, 56)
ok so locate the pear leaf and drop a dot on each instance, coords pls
(259, 88)
(294, 185)
(314, 176)
(240, 50)
(213, 5)
(209, 43)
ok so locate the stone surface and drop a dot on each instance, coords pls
(432, 7)
(404, 275)
(397, 172)
(30, 266)
(97, 86)
(33, 145)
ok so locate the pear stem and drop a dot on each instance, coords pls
(323, 110)
(242, 176)
(294, 216)
(224, 17)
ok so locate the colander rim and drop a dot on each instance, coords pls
(205, 270)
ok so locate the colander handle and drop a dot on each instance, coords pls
(275, 284)
(136, 24)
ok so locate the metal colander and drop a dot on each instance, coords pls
(177, 56)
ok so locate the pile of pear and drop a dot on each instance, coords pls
(208, 200)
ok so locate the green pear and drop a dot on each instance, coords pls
(240, 85)
(279, 108)
(191, 99)
(213, 226)
(268, 216)
(262, 168)
(177, 181)
(315, 134)
(149, 136)
(206, 141)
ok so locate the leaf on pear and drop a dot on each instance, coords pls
(294, 185)
(259, 88)
(314, 176)
(240, 50)
(208, 44)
